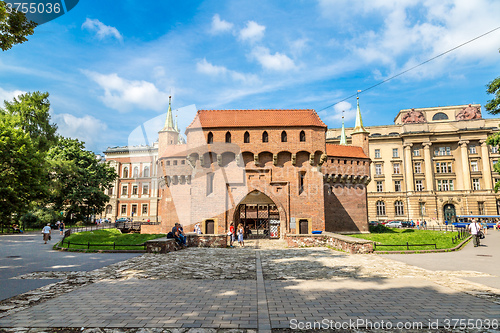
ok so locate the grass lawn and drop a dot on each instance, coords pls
(108, 237)
(395, 236)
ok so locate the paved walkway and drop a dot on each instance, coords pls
(264, 289)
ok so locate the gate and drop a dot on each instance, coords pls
(259, 220)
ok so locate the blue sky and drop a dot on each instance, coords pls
(110, 66)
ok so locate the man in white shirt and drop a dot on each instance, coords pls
(474, 229)
(46, 232)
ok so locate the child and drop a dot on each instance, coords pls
(240, 235)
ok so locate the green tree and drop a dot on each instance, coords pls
(14, 27)
(30, 112)
(78, 179)
(22, 172)
(493, 107)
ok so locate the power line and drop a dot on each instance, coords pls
(409, 69)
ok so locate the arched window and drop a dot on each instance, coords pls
(228, 137)
(399, 208)
(283, 136)
(265, 137)
(246, 137)
(125, 172)
(380, 208)
(302, 136)
(136, 172)
(146, 171)
(210, 138)
(440, 116)
(109, 209)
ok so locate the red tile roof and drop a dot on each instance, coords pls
(256, 118)
(333, 150)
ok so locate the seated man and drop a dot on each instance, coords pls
(179, 235)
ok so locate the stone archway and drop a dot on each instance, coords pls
(259, 215)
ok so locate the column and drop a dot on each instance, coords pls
(429, 177)
(408, 167)
(485, 156)
(465, 163)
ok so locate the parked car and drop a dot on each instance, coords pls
(374, 223)
(407, 224)
(394, 224)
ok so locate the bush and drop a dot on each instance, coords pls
(80, 224)
(30, 220)
(380, 229)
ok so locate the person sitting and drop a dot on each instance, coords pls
(179, 235)
(15, 228)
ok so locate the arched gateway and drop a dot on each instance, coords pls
(259, 216)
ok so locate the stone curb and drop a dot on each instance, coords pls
(59, 248)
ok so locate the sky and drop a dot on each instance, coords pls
(110, 66)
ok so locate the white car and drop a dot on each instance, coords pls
(394, 224)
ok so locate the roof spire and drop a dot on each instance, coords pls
(169, 123)
(343, 140)
(358, 128)
(176, 124)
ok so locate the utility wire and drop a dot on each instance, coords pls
(409, 69)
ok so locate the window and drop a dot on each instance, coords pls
(377, 153)
(397, 186)
(210, 138)
(175, 162)
(395, 152)
(494, 150)
(475, 184)
(210, 183)
(302, 176)
(168, 162)
(146, 171)
(302, 136)
(399, 208)
(380, 186)
(265, 137)
(442, 151)
(145, 189)
(136, 172)
(378, 169)
(183, 162)
(109, 209)
(416, 152)
(189, 179)
(124, 190)
(144, 209)
(283, 136)
(472, 149)
(134, 189)
(443, 167)
(110, 190)
(445, 185)
(440, 116)
(418, 167)
(480, 207)
(246, 137)
(134, 210)
(124, 210)
(380, 208)
(419, 187)
(473, 166)
(125, 172)
(396, 167)
(228, 137)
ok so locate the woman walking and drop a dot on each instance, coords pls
(240, 235)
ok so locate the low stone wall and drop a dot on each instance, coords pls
(195, 240)
(161, 245)
(336, 241)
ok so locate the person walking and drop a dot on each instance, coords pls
(197, 229)
(474, 229)
(230, 233)
(241, 231)
(46, 233)
(61, 227)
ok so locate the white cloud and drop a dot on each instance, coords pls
(252, 32)
(276, 62)
(102, 31)
(213, 70)
(87, 128)
(123, 95)
(220, 26)
(335, 116)
(8, 96)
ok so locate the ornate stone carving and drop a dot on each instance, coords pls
(311, 159)
(413, 117)
(469, 113)
(275, 159)
(323, 159)
(294, 159)
(256, 159)
(219, 159)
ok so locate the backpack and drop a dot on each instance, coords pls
(170, 235)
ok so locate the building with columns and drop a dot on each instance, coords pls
(432, 164)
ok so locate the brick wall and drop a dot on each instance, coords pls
(339, 242)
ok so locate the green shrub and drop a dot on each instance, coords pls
(30, 220)
(380, 229)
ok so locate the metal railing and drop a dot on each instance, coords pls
(402, 245)
(89, 245)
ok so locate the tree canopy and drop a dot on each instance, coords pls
(14, 27)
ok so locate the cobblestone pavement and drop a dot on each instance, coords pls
(263, 286)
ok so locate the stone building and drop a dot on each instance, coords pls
(270, 170)
(432, 164)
